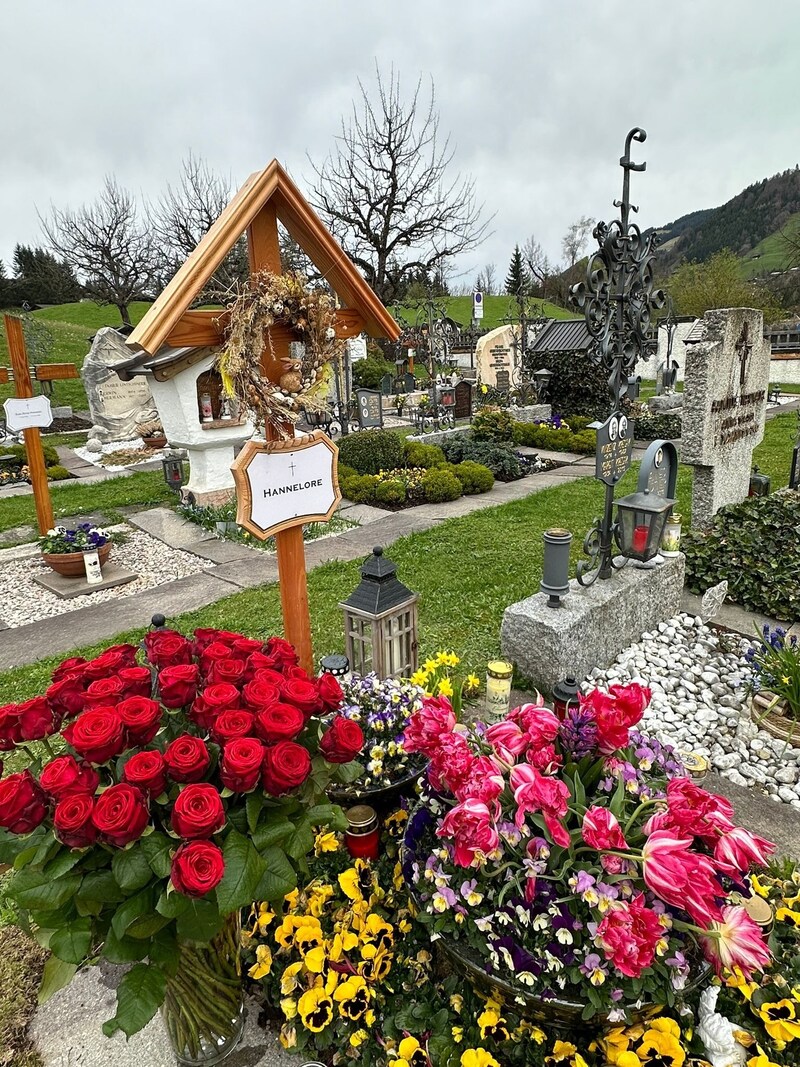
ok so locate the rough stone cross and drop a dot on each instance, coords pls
(744, 346)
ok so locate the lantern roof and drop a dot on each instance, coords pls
(380, 590)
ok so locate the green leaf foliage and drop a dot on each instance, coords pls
(244, 868)
(157, 848)
(139, 996)
(279, 876)
(131, 868)
(35, 891)
(72, 942)
(57, 974)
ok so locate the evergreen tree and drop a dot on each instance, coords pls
(517, 280)
(6, 288)
(43, 279)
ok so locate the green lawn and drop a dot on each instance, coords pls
(89, 315)
(496, 309)
(772, 253)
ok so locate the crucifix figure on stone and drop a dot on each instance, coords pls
(744, 346)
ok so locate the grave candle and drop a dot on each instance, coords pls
(640, 538)
(498, 688)
(362, 837)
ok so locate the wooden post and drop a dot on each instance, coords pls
(264, 254)
(33, 439)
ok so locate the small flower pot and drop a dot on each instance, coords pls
(155, 442)
(770, 713)
(70, 564)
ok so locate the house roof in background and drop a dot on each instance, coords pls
(564, 335)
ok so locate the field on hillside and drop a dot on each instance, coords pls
(496, 310)
(773, 253)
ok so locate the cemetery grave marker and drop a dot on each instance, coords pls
(463, 400)
(370, 409)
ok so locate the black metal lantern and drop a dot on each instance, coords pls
(760, 484)
(380, 621)
(542, 377)
(335, 664)
(641, 518)
(634, 386)
(565, 695)
(174, 473)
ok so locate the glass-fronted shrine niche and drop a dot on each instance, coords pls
(213, 406)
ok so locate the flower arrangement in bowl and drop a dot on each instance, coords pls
(62, 548)
(775, 682)
(158, 800)
(572, 863)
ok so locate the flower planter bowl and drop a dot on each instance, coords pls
(774, 718)
(155, 442)
(70, 564)
(384, 798)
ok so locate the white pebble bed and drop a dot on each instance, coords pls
(135, 444)
(700, 704)
(23, 601)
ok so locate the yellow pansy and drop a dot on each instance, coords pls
(661, 1046)
(316, 958)
(627, 1059)
(492, 1024)
(263, 918)
(348, 882)
(320, 895)
(410, 1054)
(757, 886)
(788, 915)
(562, 1050)
(736, 980)
(665, 1026)
(478, 1057)
(780, 1020)
(286, 934)
(315, 1009)
(289, 980)
(291, 899)
(445, 688)
(325, 842)
(375, 964)
(614, 1043)
(579, 1061)
(289, 1007)
(358, 1038)
(457, 1033)
(288, 1036)
(761, 1060)
(263, 964)
(308, 937)
(456, 1002)
(352, 996)
(377, 931)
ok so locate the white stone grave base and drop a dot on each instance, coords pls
(210, 478)
(593, 625)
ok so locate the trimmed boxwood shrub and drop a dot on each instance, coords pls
(392, 491)
(755, 546)
(651, 427)
(20, 455)
(58, 473)
(474, 477)
(540, 435)
(372, 451)
(418, 454)
(368, 373)
(501, 460)
(440, 485)
(360, 488)
(492, 424)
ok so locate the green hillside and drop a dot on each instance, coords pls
(92, 316)
(496, 310)
(772, 253)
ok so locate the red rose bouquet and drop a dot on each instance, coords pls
(158, 800)
(572, 859)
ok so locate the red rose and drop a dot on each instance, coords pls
(286, 766)
(120, 814)
(136, 682)
(10, 727)
(246, 646)
(147, 771)
(205, 636)
(64, 776)
(212, 654)
(297, 672)
(167, 648)
(342, 741)
(142, 719)
(232, 724)
(215, 699)
(260, 693)
(177, 686)
(187, 758)
(197, 868)
(23, 804)
(240, 768)
(98, 735)
(67, 666)
(227, 670)
(302, 694)
(103, 691)
(269, 674)
(72, 821)
(37, 719)
(198, 812)
(66, 696)
(279, 722)
(111, 662)
(257, 661)
(330, 692)
(281, 651)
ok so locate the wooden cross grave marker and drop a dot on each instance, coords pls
(266, 198)
(23, 384)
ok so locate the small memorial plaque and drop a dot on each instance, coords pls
(26, 413)
(370, 408)
(614, 448)
(463, 400)
(659, 470)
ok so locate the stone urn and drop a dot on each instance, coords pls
(771, 713)
(70, 564)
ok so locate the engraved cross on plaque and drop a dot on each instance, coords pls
(744, 346)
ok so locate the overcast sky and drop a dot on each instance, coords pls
(537, 96)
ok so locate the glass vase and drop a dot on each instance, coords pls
(203, 1010)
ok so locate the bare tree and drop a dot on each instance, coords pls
(386, 190)
(109, 245)
(574, 240)
(538, 264)
(490, 279)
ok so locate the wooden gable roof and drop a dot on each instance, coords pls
(169, 320)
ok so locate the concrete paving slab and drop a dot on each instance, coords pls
(248, 573)
(17, 533)
(87, 626)
(732, 616)
(69, 588)
(219, 551)
(362, 513)
(164, 524)
(67, 1031)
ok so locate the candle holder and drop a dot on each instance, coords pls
(499, 673)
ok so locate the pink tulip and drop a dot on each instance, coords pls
(425, 728)
(602, 831)
(485, 781)
(739, 850)
(535, 792)
(628, 935)
(694, 812)
(538, 723)
(735, 940)
(507, 740)
(472, 828)
(680, 877)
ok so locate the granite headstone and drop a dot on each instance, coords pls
(494, 357)
(116, 407)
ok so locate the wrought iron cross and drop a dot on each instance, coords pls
(744, 346)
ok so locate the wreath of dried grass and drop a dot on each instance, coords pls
(266, 300)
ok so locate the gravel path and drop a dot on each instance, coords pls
(700, 703)
(22, 601)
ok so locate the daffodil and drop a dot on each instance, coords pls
(478, 1057)
(445, 688)
(352, 996)
(315, 1009)
(779, 1020)
(325, 842)
(472, 682)
(419, 678)
(263, 964)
